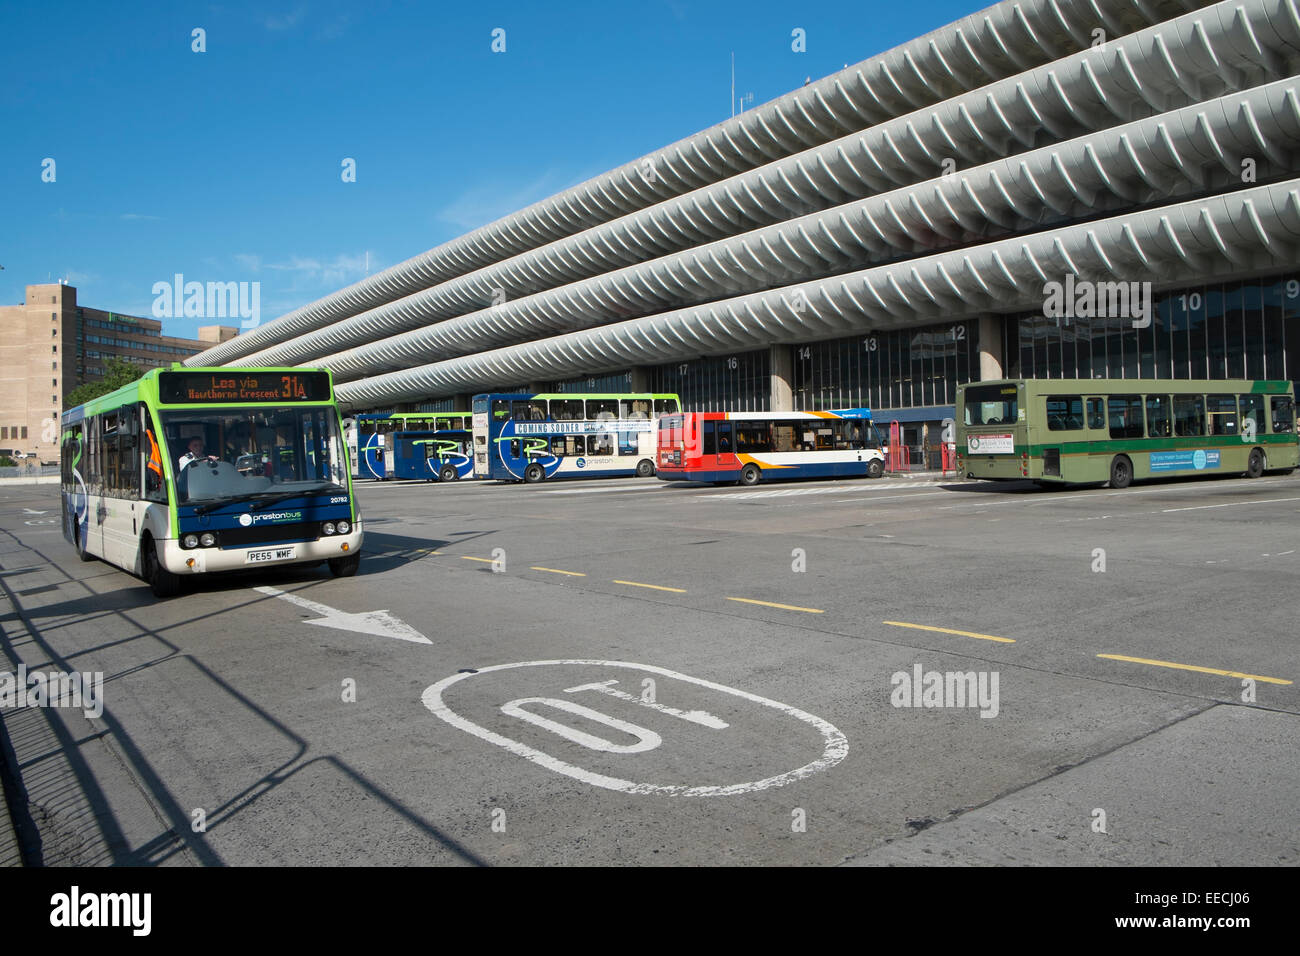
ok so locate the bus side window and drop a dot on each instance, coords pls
(1126, 416)
(1096, 417)
(557, 446)
(1283, 414)
(1064, 413)
(1189, 415)
(1252, 414)
(514, 448)
(1223, 414)
(1158, 416)
(710, 439)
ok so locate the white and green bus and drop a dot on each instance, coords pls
(1117, 430)
(188, 471)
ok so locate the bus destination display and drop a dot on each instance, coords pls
(236, 385)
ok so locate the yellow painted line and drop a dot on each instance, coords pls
(948, 630)
(1192, 667)
(572, 574)
(656, 587)
(466, 557)
(783, 607)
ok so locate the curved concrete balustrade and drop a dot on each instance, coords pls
(1248, 230)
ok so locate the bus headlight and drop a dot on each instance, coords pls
(344, 527)
(328, 527)
(190, 541)
(208, 539)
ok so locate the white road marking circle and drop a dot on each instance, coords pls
(835, 749)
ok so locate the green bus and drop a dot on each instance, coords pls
(1115, 430)
(189, 471)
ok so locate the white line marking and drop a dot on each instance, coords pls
(593, 491)
(928, 494)
(1230, 504)
(701, 717)
(790, 492)
(835, 750)
(367, 622)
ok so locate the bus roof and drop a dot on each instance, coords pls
(863, 413)
(523, 396)
(1126, 386)
(402, 416)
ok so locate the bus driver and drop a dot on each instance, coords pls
(194, 454)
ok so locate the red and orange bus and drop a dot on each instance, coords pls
(749, 447)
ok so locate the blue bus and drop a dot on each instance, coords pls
(431, 455)
(368, 436)
(190, 471)
(532, 437)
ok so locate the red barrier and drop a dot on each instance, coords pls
(896, 455)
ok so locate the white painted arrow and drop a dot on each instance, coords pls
(29, 511)
(367, 622)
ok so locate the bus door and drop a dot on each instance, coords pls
(727, 460)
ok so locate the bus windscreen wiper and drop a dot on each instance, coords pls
(219, 502)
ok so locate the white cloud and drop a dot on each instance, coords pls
(285, 21)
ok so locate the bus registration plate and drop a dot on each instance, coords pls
(271, 554)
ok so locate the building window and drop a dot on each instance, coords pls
(740, 382)
(4, 432)
(54, 333)
(54, 350)
(24, 431)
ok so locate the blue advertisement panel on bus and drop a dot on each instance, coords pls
(371, 434)
(431, 455)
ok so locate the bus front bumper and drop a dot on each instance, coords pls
(187, 561)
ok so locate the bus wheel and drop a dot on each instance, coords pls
(1121, 472)
(875, 468)
(448, 473)
(750, 475)
(534, 473)
(162, 582)
(345, 567)
(645, 468)
(1255, 464)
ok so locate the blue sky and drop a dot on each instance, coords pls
(225, 165)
